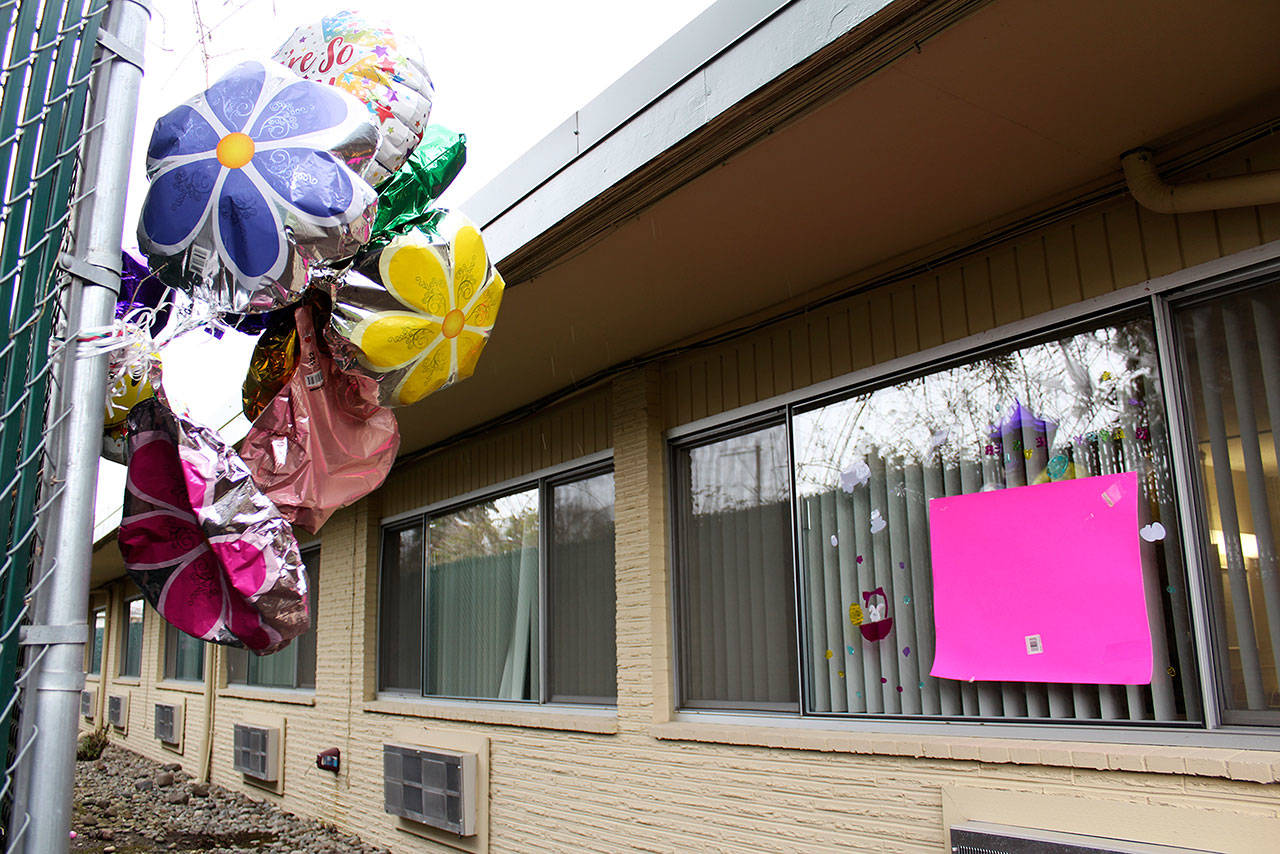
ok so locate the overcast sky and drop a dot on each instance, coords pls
(506, 73)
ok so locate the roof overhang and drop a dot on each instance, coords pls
(817, 145)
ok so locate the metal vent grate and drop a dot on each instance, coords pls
(118, 710)
(979, 837)
(167, 723)
(255, 752)
(434, 787)
(87, 699)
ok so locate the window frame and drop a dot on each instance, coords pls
(172, 637)
(543, 480)
(313, 588)
(124, 637)
(677, 504)
(99, 660)
(1155, 299)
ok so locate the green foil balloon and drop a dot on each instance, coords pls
(404, 200)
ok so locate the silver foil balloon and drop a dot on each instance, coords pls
(254, 182)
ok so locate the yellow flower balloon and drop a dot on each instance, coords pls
(446, 295)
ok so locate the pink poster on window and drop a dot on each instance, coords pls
(1041, 584)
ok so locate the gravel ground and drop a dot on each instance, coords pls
(126, 804)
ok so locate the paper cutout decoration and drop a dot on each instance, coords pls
(323, 442)
(855, 475)
(1054, 560)
(878, 623)
(1152, 533)
(855, 614)
(420, 314)
(208, 550)
(252, 183)
(383, 70)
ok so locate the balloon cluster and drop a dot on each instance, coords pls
(295, 199)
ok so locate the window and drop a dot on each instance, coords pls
(736, 592)
(506, 598)
(131, 638)
(1230, 347)
(295, 665)
(183, 655)
(804, 578)
(99, 636)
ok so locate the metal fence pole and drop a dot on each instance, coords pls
(94, 264)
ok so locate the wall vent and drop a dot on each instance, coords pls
(169, 723)
(118, 710)
(256, 752)
(433, 787)
(980, 837)
(88, 699)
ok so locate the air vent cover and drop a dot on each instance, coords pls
(979, 837)
(88, 698)
(256, 752)
(168, 723)
(434, 787)
(118, 710)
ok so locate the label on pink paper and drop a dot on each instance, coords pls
(1041, 584)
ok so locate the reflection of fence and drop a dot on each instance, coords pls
(48, 448)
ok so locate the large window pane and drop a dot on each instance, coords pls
(866, 467)
(183, 655)
(735, 581)
(581, 592)
(1231, 349)
(400, 610)
(482, 600)
(99, 635)
(295, 665)
(131, 638)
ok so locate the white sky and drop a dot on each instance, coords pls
(506, 73)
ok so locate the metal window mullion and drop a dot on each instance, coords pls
(423, 624)
(797, 580)
(1175, 399)
(545, 511)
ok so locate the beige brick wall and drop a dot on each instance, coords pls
(574, 781)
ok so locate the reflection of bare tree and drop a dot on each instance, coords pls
(1069, 390)
(741, 471)
(488, 528)
(584, 509)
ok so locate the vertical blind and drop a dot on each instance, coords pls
(1231, 354)
(482, 600)
(735, 591)
(1084, 405)
(581, 603)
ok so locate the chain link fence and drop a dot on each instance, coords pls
(59, 59)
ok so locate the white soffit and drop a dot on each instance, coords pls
(729, 51)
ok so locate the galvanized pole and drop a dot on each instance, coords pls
(94, 263)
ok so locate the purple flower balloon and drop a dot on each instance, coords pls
(252, 183)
